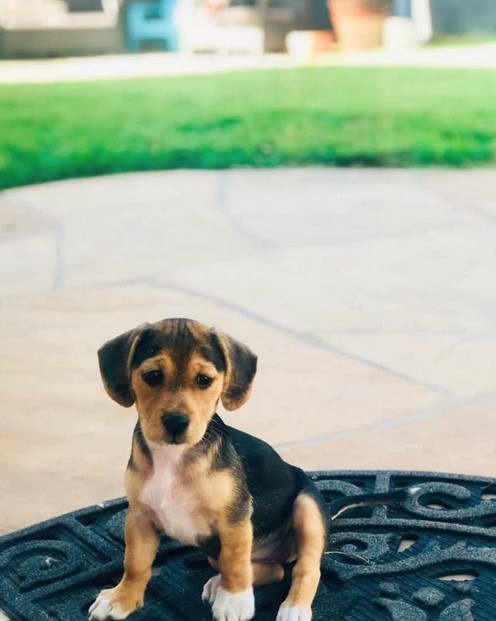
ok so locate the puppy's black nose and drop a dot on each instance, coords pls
(175, 423)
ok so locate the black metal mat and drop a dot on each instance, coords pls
(431, 559)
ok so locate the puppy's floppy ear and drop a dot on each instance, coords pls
(115, 361)
(241, 366)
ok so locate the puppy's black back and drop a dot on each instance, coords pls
(272, 483)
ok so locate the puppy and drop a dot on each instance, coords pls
(204, 483)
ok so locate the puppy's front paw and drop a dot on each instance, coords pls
(210, 589)
(227, 606)
(109, 606)
(294, 613)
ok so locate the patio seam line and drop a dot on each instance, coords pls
(405, 233)
(460, 205)
(408, 232)
(380, 332)
(221, 204)
(479, 212)
(305, 337)
(415, 415)
(60, 259)
(482, 213)
(54, 227)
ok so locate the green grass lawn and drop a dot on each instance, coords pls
(321, 116)
(461, 39)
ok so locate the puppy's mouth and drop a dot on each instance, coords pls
(191, 437)
(179, 439)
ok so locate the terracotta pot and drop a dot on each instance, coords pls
(358, 24)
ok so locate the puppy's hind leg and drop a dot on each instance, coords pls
(263, 573)
(267, 573)
(310, 530)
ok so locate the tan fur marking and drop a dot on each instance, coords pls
(135, 479)
(235, 557)
(198, 330)
(310, 534)
(142, 541)
(267, 573)
(216, 490)
(347, 508)
(263, 573)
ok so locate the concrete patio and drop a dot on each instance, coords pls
(368, 295)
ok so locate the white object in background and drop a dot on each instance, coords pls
(303, 45)
(199, 30)
(3, 617)
(422, 20)
(48, 14)
(399, 33)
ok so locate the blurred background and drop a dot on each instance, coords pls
(314, 177)
(37, 28)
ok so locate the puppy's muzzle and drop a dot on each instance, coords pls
(175, 425)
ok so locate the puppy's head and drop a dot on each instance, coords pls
(176, 370)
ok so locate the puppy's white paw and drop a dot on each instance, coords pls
(210, 589)
(294, 613)
(102, 609)
(233, 606)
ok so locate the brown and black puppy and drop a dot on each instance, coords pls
(204, 483)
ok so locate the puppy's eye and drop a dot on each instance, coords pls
(203, 381)
(153, 378)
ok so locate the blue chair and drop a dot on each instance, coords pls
(151, 21)
(402, 8)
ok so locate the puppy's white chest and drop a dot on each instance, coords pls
(173, 505)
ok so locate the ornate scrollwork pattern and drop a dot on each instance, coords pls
(431, 559)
